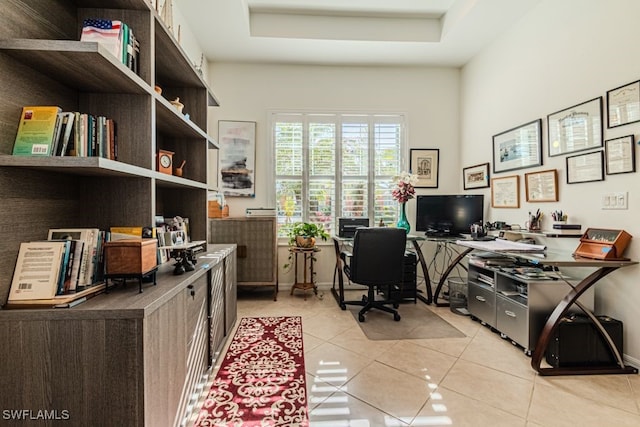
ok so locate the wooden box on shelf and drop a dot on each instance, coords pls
(130, 256)
(599, 243)
(217, 211)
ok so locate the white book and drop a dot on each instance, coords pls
(90, 238)
(37, 271)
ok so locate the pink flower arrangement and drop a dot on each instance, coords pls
(405, 189)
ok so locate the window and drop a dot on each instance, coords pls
(329, 166)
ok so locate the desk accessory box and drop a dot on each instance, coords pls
(599, 243)
(130, 256)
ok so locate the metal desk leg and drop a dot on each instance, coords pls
(444, 276)
(425, 272)
(553, 321)
(339, 293)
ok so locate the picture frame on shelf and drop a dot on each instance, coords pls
(541, 186)
(505, 192)
(623, 105)
(587, 167)
(518, 148)
(425, 164)
(576, 128)
(476, 176)
(620, 155)
(236, 153)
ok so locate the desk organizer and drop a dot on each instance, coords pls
(599, 243)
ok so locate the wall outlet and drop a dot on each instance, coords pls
(615, 200)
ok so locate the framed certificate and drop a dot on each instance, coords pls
(505, 192)
(620, 155)
(518, 148)
(585, 168)
(542, 186)
(576, 128)
(623, 105)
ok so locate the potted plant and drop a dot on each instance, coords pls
(304, 234)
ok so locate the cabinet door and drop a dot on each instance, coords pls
(513, 321)
(197, 329)
(230, 293)
(216, 332)
(482, 303)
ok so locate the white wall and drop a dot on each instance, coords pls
(429, 97)
(562, 53)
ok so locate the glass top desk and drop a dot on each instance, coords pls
(558, 259)
(338, 293)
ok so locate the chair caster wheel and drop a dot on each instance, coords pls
(361, 317)
(343, 306)
(396, 317)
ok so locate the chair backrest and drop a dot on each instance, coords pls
(378, 256)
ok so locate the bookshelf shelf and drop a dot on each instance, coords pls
(84, 66)
(87, 166)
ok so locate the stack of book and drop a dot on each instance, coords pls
(49, 131)
(117, 37)
(66, 263)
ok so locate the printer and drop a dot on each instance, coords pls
(347, 226)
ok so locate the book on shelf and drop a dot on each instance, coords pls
(37, 272)
(36, 131)
(88, 261)
(66, 128)
(116, 36)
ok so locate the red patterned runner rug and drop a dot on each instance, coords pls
(261, 381)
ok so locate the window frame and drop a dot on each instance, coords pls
(338, 118)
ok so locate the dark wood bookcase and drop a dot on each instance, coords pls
(123, 358)
(44, 63)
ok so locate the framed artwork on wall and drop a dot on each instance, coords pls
(505, 192)
(476, 176)
(585, 167)
(541, 186)
(424, 163)
(620, 155)
(236, 155)
(623, 105)
(575, 128)
(518, 148)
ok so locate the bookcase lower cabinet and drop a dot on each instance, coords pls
(122, 358)
(518, 308)
(257, 248)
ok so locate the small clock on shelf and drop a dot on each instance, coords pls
(165, 161)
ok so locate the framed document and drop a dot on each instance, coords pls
(620, 155)
(576, 128)
(518, 148)
(542, 186)
(585, 168)
(505, 192)
(623, 105)
(476, 176)
(424, 163)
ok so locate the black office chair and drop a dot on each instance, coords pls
(377, 260)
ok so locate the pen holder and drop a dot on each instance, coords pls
(533, 224)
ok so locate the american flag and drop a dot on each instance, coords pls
(105, 32)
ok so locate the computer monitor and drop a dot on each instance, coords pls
(449, 215)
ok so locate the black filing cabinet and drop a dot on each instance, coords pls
(407, 290)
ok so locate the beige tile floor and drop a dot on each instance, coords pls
(477, 380)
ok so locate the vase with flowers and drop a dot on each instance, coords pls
(403, 192)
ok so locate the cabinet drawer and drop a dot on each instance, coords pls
(482, 303)
(513, 320)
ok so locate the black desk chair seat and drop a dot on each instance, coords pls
(377, 261)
